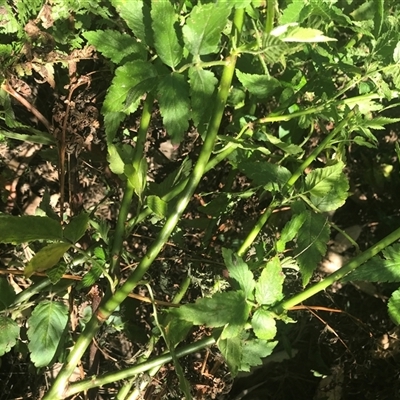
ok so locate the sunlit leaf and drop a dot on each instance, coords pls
(231, 349)
(394, 307)
(264, 324)
(270, 283)
(166, 40)
(321, 181)
(261, 86)
(46, 258)
(203, 28)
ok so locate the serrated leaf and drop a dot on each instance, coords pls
(264, 324)
(291, 13)
(46, 258)
(232, 330)
(254, 351)
(289, 231)
(175, 330)
(91, 277)
(274, 49)
(157, 206)
(219, 310)
(231, 349)
(204, 26)
(379, 269)
(321, 181)
(115, 45)
(46, 328)
(396, 53)
(271, 176)
(202, 86)
(394, 307)
(27, 228)
(270, 283)
(312, 241)
(261, 86)
(304, 35)
(173, 95)
(136, 14)
(9, 334)
(76, 227)
(134, 79)
(56, 273)
(335, 198)
(239, 271)
(166, 40)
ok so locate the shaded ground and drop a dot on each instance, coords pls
(357, 348)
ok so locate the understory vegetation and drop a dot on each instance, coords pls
(199, 199)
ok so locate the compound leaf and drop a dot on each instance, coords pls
(259, 85)
(231, 349)
(46, 328)
(321, 181)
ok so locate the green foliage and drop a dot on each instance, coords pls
(299, 94)
(46, 331)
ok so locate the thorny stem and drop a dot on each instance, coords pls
(109, 305)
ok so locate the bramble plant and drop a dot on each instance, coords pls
(256, 80)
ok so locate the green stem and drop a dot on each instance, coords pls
(137, 369)
(293, 179)
(109, 305)
(126, 202)
(339, 274)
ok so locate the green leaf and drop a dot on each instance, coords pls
(134, 79)
(261, 86)
(76, 227)
(204, 26)
(379, 269)
(91, 277)
(291, 33)
(46, 258)
(173, 95)
(175, 330)
(292, 12)
(202, 86)
(335, 198)
(157, 206)
(46, 329)
(136, 14)
(7, 294)
(287, 148)
(231, 349)
(394, 307)
(219, 310)
(312, 239)
(137, 178)
(118, 156)
(270, 283)
(271, 176)
(321, 181)
(28, 228)
(254, 351)
(56, 273)
(9, 334)
(264, 324)
(239, 271)
(39, 138)
(164, 21)
(115, 45)
(289, 231)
